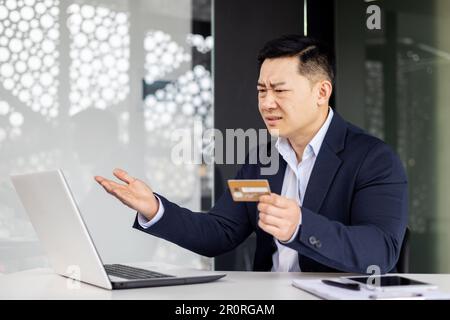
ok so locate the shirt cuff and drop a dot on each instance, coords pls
(145, 223)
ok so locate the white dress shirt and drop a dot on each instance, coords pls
(295, 182)
(145, 223)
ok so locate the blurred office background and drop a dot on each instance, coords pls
(88, 86)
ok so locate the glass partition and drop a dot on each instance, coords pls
(394, 82)
(88, 86)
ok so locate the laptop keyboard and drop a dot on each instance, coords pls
(131, 273)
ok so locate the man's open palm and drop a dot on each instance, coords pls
(134, 193)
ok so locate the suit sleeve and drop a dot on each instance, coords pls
(210, 234)
(378, 219)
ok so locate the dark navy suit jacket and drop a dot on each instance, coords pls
(354, 212)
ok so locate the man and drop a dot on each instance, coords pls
(339, 200)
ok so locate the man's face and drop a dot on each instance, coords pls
(287, 101)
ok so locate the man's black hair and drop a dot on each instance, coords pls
(315, 60)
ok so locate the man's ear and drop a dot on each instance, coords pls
(324, 92)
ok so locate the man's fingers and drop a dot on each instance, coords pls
(274, 199)
(268, 228)
(109, 185)
(118, 190)
(123, 175)
(270, 219)
(279, 201)
(270, 209)
(115, 185)
(99, 179)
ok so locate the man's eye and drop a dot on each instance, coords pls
(280, 90)
(262, 90)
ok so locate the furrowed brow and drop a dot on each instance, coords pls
(277, 84)
(272, 85)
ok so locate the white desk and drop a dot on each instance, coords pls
(44, 284)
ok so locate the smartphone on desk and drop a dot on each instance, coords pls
(390, 283)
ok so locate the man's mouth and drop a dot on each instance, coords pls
(272, 120)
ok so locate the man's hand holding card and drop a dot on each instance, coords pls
(278, 215)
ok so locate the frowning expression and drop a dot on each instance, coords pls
(288, 101)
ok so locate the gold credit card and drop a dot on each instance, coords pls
(248, 190)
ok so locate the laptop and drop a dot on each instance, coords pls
(53, 211)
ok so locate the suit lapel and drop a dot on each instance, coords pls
(326, 165)
(325, 168)
(276, 180)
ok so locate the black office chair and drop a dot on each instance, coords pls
(403, 260)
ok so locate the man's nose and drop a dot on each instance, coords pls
(268, 101)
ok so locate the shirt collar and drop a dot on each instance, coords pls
(284, 147)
